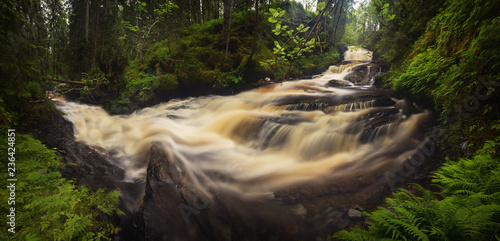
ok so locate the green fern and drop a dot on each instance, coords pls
(49, 207)
(469, 208)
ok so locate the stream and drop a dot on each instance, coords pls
(286, 161)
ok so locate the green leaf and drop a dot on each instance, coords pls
(272, 11)
(272, 20)
(321, 6)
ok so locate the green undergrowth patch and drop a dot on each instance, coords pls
(454, 69)
(457, 53)
(467, 208)
(47, 206)
(198, 59)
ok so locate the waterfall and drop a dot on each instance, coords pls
(356, 53)
(268, 139)
(285, 161)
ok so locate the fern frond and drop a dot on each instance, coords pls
(357, 234)
(469, 210)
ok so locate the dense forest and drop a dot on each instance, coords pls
(125, 55)
(117, 50)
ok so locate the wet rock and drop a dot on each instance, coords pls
(307, 106)
(354, 214)
(407, 108)
(383, 102)
(342, 48)
(381, 98)
(363, 74)
(465, 148)
(338, 83)
(86, 165)
(173, 209)
(161, 212)
(375, 119)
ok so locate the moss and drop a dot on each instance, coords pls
(198, 59)
(447, 67)
(168, 82)
(456, 49)
(208, 77)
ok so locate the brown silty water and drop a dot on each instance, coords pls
(302, 146)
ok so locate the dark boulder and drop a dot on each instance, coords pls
(88, 166)
(174, 209)
(164, 213)
(339, 83)
(363, 74)
(342, 48)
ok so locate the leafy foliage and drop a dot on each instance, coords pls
(49, 207)
(469, 208)
(93, 80)
(297, 41)
(226, 79)
(150, 16)
(396, 25)
(143, 84)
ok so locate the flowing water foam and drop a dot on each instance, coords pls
(358, 54)
(261, 140)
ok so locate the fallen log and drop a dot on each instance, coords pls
(66, 81)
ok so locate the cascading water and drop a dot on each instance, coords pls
(356, 53)
(267, 141)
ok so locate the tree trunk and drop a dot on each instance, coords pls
(168, 36)
(338, 19)
(334, 12)
(87, 13)
(104, 29)
(226, 23)
(141, 39)
(96, 37)
(197, 11)
(254, 30)
(216, 10)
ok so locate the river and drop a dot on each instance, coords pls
(289, 145)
